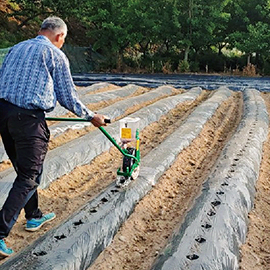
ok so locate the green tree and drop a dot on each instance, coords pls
(35, 9)
(251, 32)
(161, 29)
(202, 25)
(105, 26)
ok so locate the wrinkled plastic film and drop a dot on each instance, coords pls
(64, 159)
(77, 242)
(216, 226)
(210, 82)
(86, 99)
(113, 111)
(82, 150)
(94, 98)
(94, 87)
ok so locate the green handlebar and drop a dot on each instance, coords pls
(66, 119)
(107, 121)
(100, 128)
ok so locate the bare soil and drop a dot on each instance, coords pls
(70, 134)
(136, 245)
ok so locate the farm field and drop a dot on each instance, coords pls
(197, 146)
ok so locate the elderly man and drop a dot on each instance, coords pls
(34, 76)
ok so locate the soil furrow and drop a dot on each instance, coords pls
(155, 218)
(71, 134)
(71, 191)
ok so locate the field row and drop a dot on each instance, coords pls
(196, 146)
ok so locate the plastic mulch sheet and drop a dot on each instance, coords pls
(77, 242)
(184, 81)
(80, 151)
(216, 226)
(115, 110)
(94, 98)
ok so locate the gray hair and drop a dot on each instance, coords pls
(54, 24)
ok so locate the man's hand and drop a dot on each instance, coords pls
(98, 120)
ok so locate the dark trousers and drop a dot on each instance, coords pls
(25, 136)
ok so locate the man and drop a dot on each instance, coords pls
(34, 76)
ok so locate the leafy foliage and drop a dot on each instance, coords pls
(158, 35)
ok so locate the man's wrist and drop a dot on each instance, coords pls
(90, 116)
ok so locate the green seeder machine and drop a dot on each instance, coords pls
(131, 155)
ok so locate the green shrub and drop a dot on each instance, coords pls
(183, 66)
(194, 66)
(266, 68)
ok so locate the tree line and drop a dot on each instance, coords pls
(164, 35)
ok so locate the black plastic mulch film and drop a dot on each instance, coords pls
(215, 228)
(76, 243)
